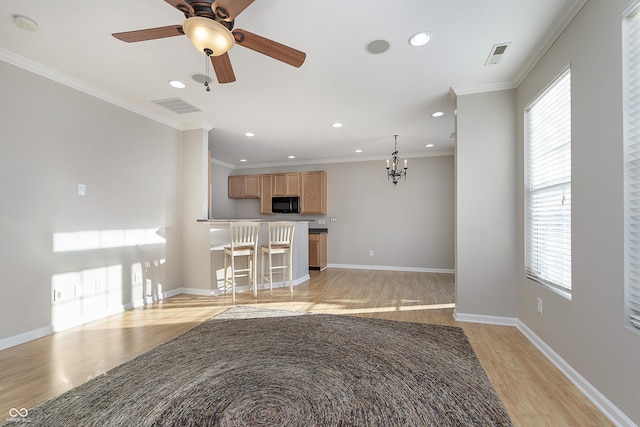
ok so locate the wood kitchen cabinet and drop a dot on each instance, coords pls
(311, 187)
(313, 200)
(286, 184)
(266, 192)
(244, 187)
(318, 251)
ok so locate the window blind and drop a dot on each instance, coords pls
(548, 186)
(631, 28)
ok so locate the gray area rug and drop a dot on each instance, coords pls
(257, 367)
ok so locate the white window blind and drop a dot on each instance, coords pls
(631, 28)
(548, 187)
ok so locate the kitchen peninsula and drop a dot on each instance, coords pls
(219, 238)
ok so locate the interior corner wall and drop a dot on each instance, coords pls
(588, 331)
(195, 187)
(486, 272)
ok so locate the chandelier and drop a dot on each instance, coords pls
(394, 171)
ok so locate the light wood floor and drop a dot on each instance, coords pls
(533, 391)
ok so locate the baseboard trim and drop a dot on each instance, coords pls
(393, 268)
(25, 337)
(610, 410)
(480, 318)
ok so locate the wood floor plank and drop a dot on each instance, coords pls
(532, 389)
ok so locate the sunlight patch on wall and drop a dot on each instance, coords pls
(82, 296)
(104, 239)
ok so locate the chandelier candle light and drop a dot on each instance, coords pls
(394, 172)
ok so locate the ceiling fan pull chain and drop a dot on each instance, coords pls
(206, 66)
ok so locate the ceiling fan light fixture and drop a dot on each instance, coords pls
(208, 35)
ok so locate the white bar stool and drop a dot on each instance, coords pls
(280, 243)
(244, 243)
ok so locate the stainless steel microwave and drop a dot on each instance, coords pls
(285, 204)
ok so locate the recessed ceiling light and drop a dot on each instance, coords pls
(291, 157)
(437, 114)
(336, 125)
(249, 134)
(177, 84)
(25, 22)
(420, 39)
(429, 145)
(243, 160)
(358, 151)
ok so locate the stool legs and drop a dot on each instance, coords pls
(225, 273)
(252, 274)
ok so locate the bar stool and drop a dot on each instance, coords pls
(244, 243)
(280, 243)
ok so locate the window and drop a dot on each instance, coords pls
(631, 28)
(548, 187)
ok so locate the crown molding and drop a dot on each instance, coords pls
(225, 164)
(471, 89)
(197, 125)
(58, 77)
(552, 33)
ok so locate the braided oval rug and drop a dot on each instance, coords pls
(257, 367)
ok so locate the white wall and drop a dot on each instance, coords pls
(408, 226)
(222, 207)
(588, 332)
(52, 139)
(195, 246)
(486, 273)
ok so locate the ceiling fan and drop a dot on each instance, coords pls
(209, 26)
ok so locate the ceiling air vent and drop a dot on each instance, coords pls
(497, 52)
(177, 105)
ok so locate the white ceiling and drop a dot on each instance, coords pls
(289, 109)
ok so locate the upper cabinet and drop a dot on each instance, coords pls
(286, 184)
(244, 187)
(314, 193)
(266, 187)
(311, 187)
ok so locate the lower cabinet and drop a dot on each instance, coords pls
(318, 251)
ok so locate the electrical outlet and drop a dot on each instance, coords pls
(539, 305)
(371, 252)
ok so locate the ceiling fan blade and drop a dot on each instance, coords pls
(223, 69)
(270, 48)
(149, 34)
(229, 9)
(182, 6)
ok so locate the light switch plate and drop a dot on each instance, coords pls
(82, 190)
